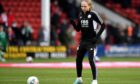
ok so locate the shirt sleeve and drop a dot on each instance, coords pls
(97, 18)
(77, 26)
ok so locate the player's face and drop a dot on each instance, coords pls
(84, 6)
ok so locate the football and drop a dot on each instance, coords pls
(29, 59)
(32, 80)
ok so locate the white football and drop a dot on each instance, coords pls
(29, 59)
(32, 80)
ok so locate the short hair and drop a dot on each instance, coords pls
(90, 3)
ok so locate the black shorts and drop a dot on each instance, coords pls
(85, 46)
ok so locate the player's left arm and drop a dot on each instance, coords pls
(99, 20)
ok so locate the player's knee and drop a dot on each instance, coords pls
(78, 59)
(91, 54)
(91, 60)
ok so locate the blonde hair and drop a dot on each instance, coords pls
(90, 3)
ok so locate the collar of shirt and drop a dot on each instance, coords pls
(85, 13)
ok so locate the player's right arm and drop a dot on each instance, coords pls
(77, 26)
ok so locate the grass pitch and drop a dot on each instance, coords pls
(67, 76)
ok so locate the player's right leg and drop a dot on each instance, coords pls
(92, 64)
(79, 59)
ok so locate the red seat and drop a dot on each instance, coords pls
(117, 6)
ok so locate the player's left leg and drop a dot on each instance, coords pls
(92, 64)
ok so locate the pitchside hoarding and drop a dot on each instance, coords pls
(36, 51)
(122, 51)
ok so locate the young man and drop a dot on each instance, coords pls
(3, 43)
(89, 37)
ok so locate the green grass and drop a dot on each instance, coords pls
(67, 76)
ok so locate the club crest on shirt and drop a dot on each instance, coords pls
(89, 16)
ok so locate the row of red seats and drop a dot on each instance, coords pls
(130, 13)
(25, 11)
(20, 1)
(21, 4)
(28, 14)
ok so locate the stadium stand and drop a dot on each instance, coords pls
(126, 8)
(25, 10)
